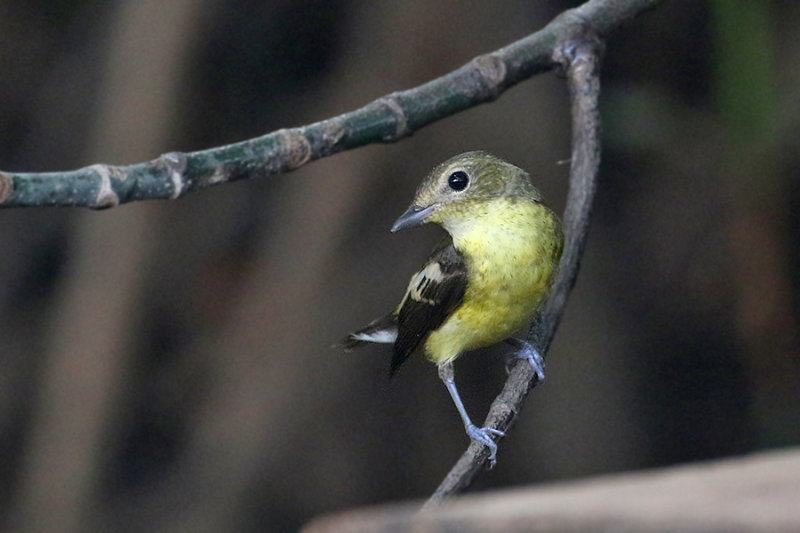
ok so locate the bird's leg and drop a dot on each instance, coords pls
(481, 435)
(528, 352)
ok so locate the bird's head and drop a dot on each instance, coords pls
(460, 189)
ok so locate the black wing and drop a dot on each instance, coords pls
(432, 295)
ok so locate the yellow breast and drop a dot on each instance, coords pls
(512, 252)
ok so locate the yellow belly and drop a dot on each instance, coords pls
(512, 254)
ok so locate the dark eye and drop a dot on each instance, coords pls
(458, 180)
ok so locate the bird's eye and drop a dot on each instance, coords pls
(458, 180)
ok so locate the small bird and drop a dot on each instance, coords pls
(484, 281)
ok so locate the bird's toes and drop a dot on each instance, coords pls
(484, 436)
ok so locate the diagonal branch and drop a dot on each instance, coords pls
(386, 119)
(580, 55)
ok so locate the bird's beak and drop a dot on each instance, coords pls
(414, 216)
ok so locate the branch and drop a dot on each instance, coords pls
(387, 119)
(579, 53)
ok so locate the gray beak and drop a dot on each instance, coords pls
(414, 216)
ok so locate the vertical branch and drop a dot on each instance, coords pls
(579, 55)
(582, 60)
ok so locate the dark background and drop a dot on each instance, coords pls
(166, 366)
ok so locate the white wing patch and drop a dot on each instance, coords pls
(432, 273)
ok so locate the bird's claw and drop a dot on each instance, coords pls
(484, 436)
(532, 355)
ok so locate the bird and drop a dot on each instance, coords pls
(483, 282)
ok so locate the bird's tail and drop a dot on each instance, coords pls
(382, 330)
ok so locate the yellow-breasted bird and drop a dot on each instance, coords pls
(482, 283)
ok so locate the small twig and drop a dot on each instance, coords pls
(387, 119)
(580, 56)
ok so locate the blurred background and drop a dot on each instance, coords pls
(167, 366)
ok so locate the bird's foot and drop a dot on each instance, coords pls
(534, 358)
(530, 354)
(484, 436)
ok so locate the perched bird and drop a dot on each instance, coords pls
(484, 281)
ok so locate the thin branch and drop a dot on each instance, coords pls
(580, 54)
(387, 119)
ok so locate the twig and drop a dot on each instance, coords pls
(387, 119)
(580, 54)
